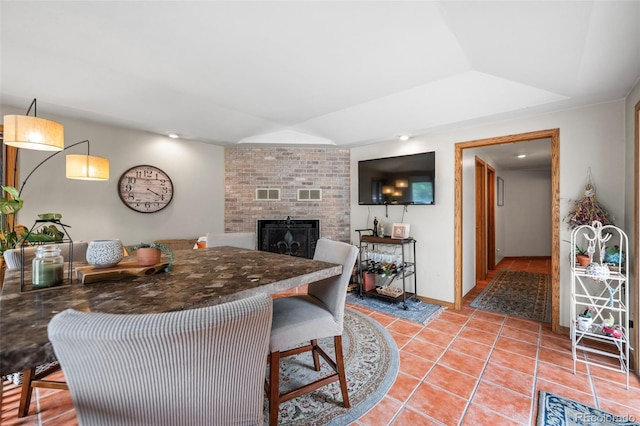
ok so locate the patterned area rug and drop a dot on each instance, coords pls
(371, 363)
(417, 310)
(558, 411)
(517, 293)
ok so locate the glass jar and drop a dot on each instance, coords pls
(48, 266)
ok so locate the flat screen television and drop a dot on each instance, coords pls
(406, 179)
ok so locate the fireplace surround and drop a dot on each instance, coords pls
(290, 237)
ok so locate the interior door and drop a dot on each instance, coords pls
(491, 217)
(481, 220)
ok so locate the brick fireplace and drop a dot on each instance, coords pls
(288, 169)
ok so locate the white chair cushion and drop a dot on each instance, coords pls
(300, 318)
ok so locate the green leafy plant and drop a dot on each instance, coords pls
(160, 247)
(581, 251)
(10, 235)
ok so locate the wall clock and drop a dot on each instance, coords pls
(145, 189)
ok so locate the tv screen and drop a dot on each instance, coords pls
(407, 179)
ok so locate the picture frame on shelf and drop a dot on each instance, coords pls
(400, 230)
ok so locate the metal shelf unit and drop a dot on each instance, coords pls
(407, 248)
(600, 289)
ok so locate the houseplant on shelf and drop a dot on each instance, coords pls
(582, 256)
(148, 254)
(585, 319)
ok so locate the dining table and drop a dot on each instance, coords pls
(196, 278)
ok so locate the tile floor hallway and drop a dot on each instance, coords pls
(470, 367)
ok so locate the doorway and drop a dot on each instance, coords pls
(554, 135)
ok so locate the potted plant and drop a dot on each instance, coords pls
(582, 256)
(148, 254)
(585, 320)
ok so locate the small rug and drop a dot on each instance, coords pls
(417, 310)
(558, 411)
(517, 293)
(371, 364)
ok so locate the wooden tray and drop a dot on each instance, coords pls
(89, 274)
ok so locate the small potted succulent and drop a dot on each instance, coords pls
(585, 319)
(149, 254)
(582, 256)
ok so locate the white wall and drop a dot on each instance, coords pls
(94, 209)
(589, 137)
(527, 213)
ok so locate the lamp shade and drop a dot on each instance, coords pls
(87, 167)
(387, 189)
(23, 131)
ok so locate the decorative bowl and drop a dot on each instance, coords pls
(104, 253)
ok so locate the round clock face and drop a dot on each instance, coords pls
(145, 189)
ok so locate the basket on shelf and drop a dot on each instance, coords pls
(389, 291)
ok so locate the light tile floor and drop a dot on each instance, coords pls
(470, 367)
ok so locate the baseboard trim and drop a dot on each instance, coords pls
(448, 305)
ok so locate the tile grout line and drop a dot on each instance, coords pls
(403, 404)
(484, 367)
(534, 394)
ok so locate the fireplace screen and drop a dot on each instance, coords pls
(290, 237)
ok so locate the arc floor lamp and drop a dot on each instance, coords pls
(34, 133)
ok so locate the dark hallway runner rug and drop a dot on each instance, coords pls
(517, 293)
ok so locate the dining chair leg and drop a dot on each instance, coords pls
(337, 341)
(26, 392)
(274, 387)
(316, 357)
(32, 378)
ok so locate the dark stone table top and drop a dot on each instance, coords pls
(197, 278)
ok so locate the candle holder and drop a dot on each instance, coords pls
(47, 269)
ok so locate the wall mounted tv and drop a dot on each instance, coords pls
(407, 179)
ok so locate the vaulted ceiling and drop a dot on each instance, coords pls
(313, 72)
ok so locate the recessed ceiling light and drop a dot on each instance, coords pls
(522, 155)
(404, 137)
(173, 135)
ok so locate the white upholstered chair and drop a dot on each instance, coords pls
(13, 257)
(193, 367)
(307, 318)
(234, 239)
(36, 377)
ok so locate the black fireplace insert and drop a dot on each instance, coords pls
(289, 236)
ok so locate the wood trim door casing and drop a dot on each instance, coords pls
(491, 217)
(635, 353)
(554, 135)
(481, 218)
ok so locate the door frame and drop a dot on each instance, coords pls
(481, 245)
(554, 135)
(635, 357)
(491, 217)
